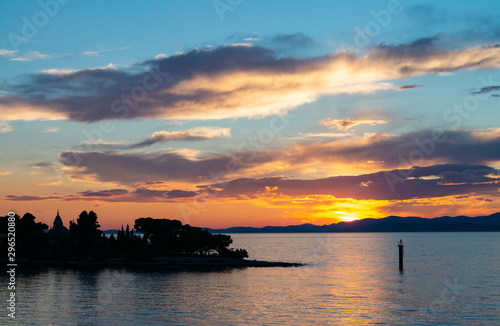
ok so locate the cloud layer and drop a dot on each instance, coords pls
(370, 152)
(418, 182)
(415, 183)
(227, 82)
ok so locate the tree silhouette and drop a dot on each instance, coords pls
(171, 237)
(31, 240)
(85, 232)
(160, 237)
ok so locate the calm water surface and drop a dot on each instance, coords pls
(449, 279)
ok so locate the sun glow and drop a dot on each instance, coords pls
(349, 218)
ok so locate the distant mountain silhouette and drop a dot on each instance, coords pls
(387, 224)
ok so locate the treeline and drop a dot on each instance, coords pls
(84, 241)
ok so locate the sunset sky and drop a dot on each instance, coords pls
(249, 113)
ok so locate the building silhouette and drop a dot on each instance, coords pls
(58, 233)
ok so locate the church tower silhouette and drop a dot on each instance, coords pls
(57, 221)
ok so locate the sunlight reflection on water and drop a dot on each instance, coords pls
(449, 278)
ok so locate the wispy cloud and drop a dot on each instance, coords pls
(34, 55)
(349, 123)
(325, 135)
(51, 129)
(4, 173)
(42, 165)
(194, 134)
(4, 52)
(5, 127)
(64, 72)
(98, 52)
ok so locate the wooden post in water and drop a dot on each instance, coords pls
(401, 250)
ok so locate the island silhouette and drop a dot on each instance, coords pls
(155, 241)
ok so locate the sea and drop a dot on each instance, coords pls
(348, 279)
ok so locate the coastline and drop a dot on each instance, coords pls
(167, 262)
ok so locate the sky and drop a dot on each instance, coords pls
(249, 113)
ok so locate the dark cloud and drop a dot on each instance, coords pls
(129, 168)
(389, 185)
(42, 165)
(163, 138)
(454, 146)
(487, 90)
(140, 194)
(491, 46)
(468, 176)
(181, 194)
(425, 48)
(88, 95)
(444, 169)
(405, 87)
(104, 193)
(419, 48)
(29, 198)
(283, 43)
(140, 167)
(297, 40)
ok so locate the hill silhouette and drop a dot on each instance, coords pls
(387, 224)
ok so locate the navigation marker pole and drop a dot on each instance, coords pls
(401, 250)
